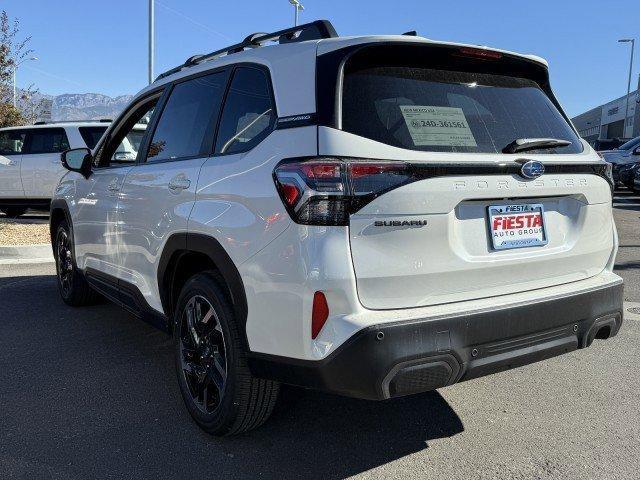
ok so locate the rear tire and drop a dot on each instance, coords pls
(219, 391)
(13, 212)
(73, 287)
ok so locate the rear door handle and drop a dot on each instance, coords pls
(179, 183)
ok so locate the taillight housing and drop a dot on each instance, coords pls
(326, 190)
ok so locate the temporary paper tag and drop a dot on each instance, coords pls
(446, 126)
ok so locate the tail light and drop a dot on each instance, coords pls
(325, 191)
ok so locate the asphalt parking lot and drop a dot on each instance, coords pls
(91, 393)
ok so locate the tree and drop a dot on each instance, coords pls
(12, 52)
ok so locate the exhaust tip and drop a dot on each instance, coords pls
(603, 332)
(603, 328)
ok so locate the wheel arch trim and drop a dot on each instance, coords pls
(60, 205)
(179, 244)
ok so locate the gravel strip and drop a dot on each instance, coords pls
(12, 233)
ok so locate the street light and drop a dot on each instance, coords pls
(151, 39)
(15, 68)
(298, 7)
(632, 41)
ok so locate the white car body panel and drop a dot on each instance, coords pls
(94, 214)
(10, 180)
(246, 223)
(149, 211)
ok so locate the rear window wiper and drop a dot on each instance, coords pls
(524, 144)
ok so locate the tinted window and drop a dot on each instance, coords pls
(124, 142)
(11, 141)
(46, 140)
(248, 114)
(449, 111)
(91, 135)
(188, 119)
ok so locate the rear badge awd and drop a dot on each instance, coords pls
(532, 169)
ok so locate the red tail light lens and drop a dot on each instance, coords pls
(319, 314)
(325, 191)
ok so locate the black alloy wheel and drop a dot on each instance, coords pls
(203, 354)
(64, 262)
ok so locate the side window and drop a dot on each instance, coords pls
(124, 142)
(91, 135)
(11, 142)
(46, 140)
(248, 115)
(187, 121)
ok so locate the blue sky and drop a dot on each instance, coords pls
(101, 46)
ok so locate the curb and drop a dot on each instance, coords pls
(16, 254)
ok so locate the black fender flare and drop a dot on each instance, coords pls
(184, 243)
(61, 204)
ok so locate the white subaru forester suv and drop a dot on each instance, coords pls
(371, 216)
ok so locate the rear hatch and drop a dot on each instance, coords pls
(450, 216)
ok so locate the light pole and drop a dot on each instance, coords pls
(15, 68)
(632, 41)
(298, 7)
(151, 37)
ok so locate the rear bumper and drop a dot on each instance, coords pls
(402, 358)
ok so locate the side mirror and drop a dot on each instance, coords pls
(636, 151)
(78, 160)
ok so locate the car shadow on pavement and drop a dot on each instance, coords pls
(31, 217)
(313, 434)
(91, 392)
(628, 206)
(627, 265)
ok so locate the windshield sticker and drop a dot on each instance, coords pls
(445, 126)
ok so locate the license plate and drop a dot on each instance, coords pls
(517, 226)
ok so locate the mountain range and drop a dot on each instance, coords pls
(87, 106)
(83, 106)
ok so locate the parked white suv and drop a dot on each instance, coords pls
(30, 166)
(371, 216)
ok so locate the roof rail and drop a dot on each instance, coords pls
(49, 122)
(309, 31)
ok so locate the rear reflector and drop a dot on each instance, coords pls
(319, 314)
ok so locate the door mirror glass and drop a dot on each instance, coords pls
(77, 160)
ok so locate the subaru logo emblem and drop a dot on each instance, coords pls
(532, 169)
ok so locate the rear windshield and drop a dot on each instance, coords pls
(449, 111)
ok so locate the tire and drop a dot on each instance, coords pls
(13, 212)
(73, 287)
(219, 391)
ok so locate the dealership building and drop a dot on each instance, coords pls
(607, 121)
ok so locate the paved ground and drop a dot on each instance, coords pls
(91, 393)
